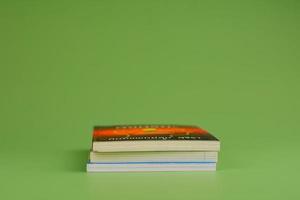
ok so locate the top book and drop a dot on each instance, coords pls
(153, 138)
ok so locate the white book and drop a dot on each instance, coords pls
(144, 167)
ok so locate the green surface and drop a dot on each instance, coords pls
(231, 67)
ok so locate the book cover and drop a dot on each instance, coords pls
(150, 132)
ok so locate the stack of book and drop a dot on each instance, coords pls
(152, 148)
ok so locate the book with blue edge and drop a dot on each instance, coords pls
(152, 148)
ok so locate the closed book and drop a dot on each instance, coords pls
(144, 167)
(153, 156)
(130, 138)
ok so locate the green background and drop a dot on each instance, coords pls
(231, 67)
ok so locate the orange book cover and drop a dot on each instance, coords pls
(150, 132)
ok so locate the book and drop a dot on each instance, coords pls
(131, 138)
(159, 156)
(152, 166)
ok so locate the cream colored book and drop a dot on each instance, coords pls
(161, 156)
